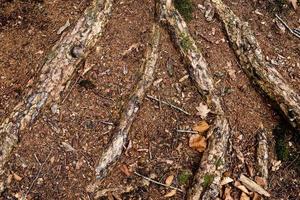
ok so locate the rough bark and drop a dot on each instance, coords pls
(254, 64)
(117, 143)
(57, 70)
(207, 178)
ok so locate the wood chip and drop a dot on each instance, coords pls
(254, 187)
(226, 180)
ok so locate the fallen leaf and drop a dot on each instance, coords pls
(17, 177)
(244, 196)
(294, 3)
(201, 127)
(238, 185)
(227, 195)
(260, 181)
(202, 110)
(125, 170)
(198, 142)
(170, 194)
(169, 180)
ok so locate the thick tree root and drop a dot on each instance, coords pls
(60, 64)
(253, 63)
(207, 179)
(116, 145)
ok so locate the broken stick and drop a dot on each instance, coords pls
(57, 70)
(116, 145)
(254, 64)
(207, 179)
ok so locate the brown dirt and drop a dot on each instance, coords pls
(51, 170)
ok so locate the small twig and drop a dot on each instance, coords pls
(158, 183)
(295, 32)
(186, 131)
(106, 123)
(167, 103)
(38, 174)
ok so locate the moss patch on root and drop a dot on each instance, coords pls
(185, 8)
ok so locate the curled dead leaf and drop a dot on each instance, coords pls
(202, 110)
(198, 142)
(201, 127)
(170, 194)
(169, 180)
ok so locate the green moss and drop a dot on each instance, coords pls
(185, 8)
(208, 179)
(185, 42)
(184, 177)
(219, 162)
(281, 145)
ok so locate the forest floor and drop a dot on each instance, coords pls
(57, 155)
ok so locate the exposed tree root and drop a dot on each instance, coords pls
(57, 70)
(253, 62)
(116, 145)
(207, 179)
(262, 154)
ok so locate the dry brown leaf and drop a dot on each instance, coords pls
(238, 185)
(125, 170)
(198, 142)
(202, 110)
(244, 196)
(261, 181)
(170, 194)
(169, 180)
(201, 127)
(227, 195)
(294, 3)
(17, 177)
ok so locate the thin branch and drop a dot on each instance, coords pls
(167, 103)
(158, 183)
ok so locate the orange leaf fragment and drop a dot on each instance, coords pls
(201, 127)
(198, 142)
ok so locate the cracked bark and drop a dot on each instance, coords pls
(212, 163)
(55, 73)
(120, 136)
(253, 63)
